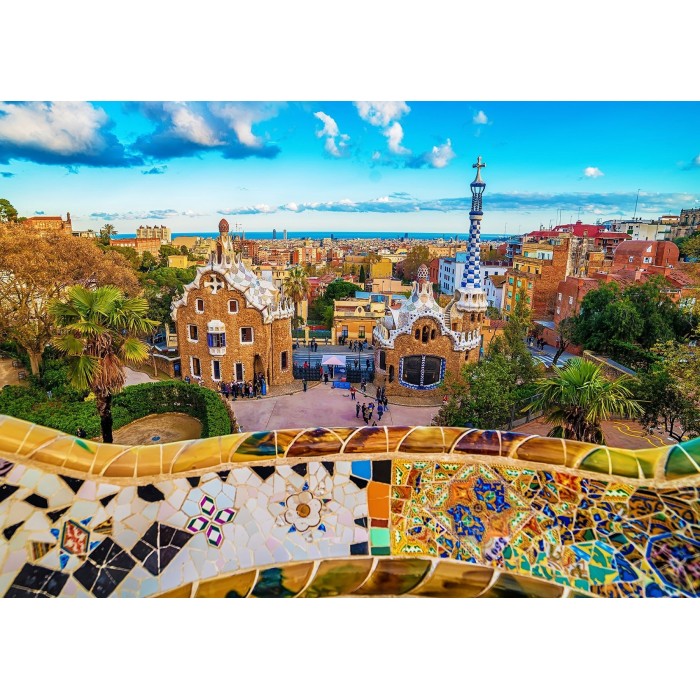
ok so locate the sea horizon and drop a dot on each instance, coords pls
(338, 235)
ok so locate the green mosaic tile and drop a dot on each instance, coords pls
(379, 536)
(624, 464)
(597, 461)
(679, 464)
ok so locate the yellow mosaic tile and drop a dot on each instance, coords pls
(234, 586)
(455, 580)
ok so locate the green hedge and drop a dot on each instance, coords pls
(68, 413)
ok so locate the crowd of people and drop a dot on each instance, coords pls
(538, 343)
(234, 390)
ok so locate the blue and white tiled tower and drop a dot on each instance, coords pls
(471, 296)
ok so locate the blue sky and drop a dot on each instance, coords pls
(347, 166)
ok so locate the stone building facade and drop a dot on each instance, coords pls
(162, 233)
(232, 325)
(44, 224)
(418, 343)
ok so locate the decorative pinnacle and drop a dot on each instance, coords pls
(478, 165)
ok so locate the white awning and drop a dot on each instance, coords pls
(333, 360)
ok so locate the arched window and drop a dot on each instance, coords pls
(417, 333)
(473, 317)
(433, 333)
(425, 334)
(391, 373)
(382, 360)
(421, 371)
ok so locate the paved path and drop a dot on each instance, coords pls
(135, 377)
(618, 433)
(320, 406)
(9, 374)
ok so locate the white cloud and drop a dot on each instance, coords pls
(382, 113)
(441, 155)
(480, 117)
(191, 126)
(241, 117)
(62, 128)
(394, 135)
(696, 160)
(331, 132)
(593, 172)
(292, 206)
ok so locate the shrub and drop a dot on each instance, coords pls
(67, 411)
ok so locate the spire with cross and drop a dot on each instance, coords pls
(471, 277)
(478, 165)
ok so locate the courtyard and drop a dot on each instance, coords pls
(321, 405)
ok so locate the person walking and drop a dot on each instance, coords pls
(352, 392)
(364, 413)
(379, 393)
(303, 383)
(325, 377)
(386, 404)
(357, 410)
(380, 412)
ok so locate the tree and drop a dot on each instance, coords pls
(8, 214)
(481, 396)
(565, 331)
(689, 246)
(163, 284)
(578, 397)
(363, 277)
(512, 344)
(417, 256)
(106, 233)
(36, 269)
(148, 261)
(296, 287)
(98, 332)
(670, 392)
(615, 321)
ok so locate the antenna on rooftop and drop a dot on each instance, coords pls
(635, 206)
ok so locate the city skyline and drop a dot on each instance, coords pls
(347, 166)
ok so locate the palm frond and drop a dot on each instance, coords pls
(133, 350)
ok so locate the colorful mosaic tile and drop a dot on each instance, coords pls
(450, 512)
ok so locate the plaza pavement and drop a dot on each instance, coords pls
(320, 406)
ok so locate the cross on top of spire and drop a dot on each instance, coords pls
(478, 165)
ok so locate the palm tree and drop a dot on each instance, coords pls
(578, 397)
(98, 333)
(296, 287)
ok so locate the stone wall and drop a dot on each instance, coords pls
(263, 354)
(405, 345)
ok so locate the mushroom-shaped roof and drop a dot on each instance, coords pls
(223, 226)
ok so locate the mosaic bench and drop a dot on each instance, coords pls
(386, 511)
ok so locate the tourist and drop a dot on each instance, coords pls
(380, 412)
(81, 433)
(364, 413)
(352, 392)
(386, 403)
(379, 393)
(368, 364)
(325, 377)
(303, 383)
(188, 379)
(357, 410)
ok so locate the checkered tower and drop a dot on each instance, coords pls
(472, 298)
